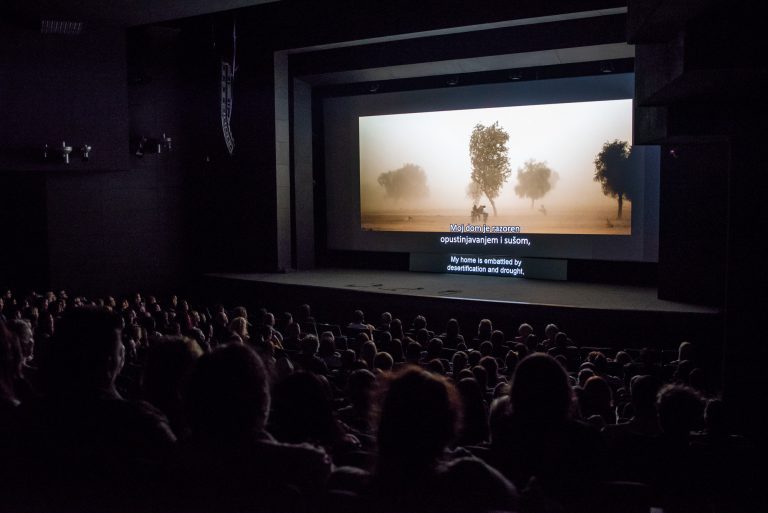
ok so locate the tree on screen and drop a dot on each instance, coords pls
(488, 152)
(406, 183)
(534, 180)
(614, 170)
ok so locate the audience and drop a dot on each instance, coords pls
(134, 404)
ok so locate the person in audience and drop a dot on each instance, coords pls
(383, 362)
(357, 414)
(510, 363)
(452, 337)
(419, 419)
(26, 379)
(491, 366)
(292, 337)
(305, 317)
(635, 443)
(596, 402)
(413, 353)
(231, 463)
(474, 430)
(239, 326)
(536, 437)
(327, 351)
(220, 324)
(523, 331)
(396, 329)
(384, 321)
(170, 361)
(550, 332)
(419, 323)
(10, 358)
(368, 353)
(308, 359)
(459, 361)
(268, 320)
(396, 350)
(302, 412)
(358, 322)
(87, 447)
(678, 474)
(484, 331)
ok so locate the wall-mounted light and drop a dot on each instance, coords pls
(374, 87)
(515, 75)
(64, 151)
(606, 67)
(452, 81)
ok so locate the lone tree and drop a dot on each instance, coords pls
(534, 180)
(614, 170)
(407, 183)
(490, 168)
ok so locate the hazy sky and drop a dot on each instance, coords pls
(567, 136)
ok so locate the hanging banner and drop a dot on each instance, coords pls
(227, 73)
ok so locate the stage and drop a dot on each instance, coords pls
(462, 287)
(592, 314)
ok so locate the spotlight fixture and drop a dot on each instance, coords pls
(65, 151)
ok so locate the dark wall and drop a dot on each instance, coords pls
(23, 230)
(56, 88)
(116, 223)
(692, 236)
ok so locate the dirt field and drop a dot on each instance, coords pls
(566, 221)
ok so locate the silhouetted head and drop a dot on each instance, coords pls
(310, 345)
(302, 410)
(228, 393)
(551, 331)
(596, 398)
(396, 350)
(327, 344)
(368, 352)
(383, 362)
(459, 361)
(540, 391)
(452, 328)
(681, 410)
(413, 352)
(419, 417)
(360, 384)
(10, 362)
(644, 390)
(434, 348)
(484, 330)
(685, 351)
(86, 351)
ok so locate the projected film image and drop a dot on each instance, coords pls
(565, 168)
